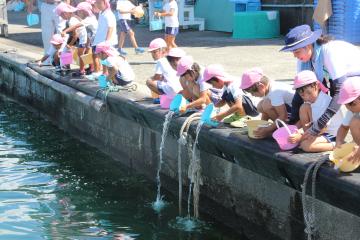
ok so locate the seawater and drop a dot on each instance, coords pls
(53, 186)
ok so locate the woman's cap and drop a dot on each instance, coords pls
(85, 6)
(300, 37)
(307, 77)
(156, 44)
(176, 52)
(106, 48)
(185, 63)
(217, 71)
(250, 77)
(64, 7)
(57, 39)
(350, 90)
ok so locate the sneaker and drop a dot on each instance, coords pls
(139, 50)
(156, 100)
(232, 118)
(122, 52)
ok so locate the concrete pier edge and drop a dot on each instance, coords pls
(249, 185)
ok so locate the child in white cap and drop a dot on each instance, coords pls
(276, 98)
(316, 100)
(165, 80)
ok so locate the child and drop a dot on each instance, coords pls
(170, 12)
(106, 29)
(53, 54)
(240, 105)
(198, 92)
(126, 8)
(350, 96)
(76, 34)
(276, 98)
(120, 71)
(316, 100)
(165, 80)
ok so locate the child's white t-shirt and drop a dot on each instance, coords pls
(319, 107)
(127, 73)
(91, 23)
(203, 86)
(80, 31)
(105, 21)
(348, 117)
(170, 79)
(171, 21)
(234, 89)
(124, 5)
(280, 93)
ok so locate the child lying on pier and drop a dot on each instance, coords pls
(120, 71)
(316, 100)
(240, 105)
(350, 96)
(276, 98)
(53, 55)
(195, 90)
(165, 80)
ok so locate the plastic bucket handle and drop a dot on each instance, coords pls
(277, 121)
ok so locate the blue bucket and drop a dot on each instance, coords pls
(102, 81)
(207, 114)
(177, 102)
(32, 19)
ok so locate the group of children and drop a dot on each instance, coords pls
(178, 73)
(92, 23)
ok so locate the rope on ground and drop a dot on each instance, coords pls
(309, 211)
(132, 87)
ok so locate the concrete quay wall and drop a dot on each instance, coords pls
(247, 184)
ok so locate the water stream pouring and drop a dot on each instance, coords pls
(159, 204)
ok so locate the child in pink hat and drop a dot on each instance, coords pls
(315, 104)
(53, 54)
(120, 71)
(165, 80)
(78, 35)
(276, 98)
(240, 105)
(195, 90)
(350, 96)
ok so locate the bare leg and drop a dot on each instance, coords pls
(172, 41)
(81, 51)
(132, 38)
(305, 116)
(319, 144)
(96, 63)
(122, 37)
(355, 130)
(152, 84)
(269, 110)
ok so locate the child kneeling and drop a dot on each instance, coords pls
(316, 100)
(53, 54)
(240, 105)
(120, 71)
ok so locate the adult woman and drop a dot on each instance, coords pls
(333, 61)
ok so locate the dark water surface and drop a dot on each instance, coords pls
(52, 186)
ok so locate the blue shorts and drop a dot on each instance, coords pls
(123, 25)
(81, 45)
(119, 80)
(330, 138)
(172, 31)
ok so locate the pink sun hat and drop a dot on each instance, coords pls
(307, 77)
(91, 1)
(185, 63)
(350, 90)
(216, 70)
(106, 48)
(85, 6)
(250, 77)
(176, 52)
(156, 44)
(64, 7)
(57, 39)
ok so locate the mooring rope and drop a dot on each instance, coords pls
(182, 141)
(115, 88)
(309, 214)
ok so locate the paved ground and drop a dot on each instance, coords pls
(206, 47)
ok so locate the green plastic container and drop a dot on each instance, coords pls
(254, 25)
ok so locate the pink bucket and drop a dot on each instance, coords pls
(282, 134)
(66, 58)
(165, 101)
